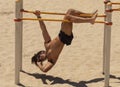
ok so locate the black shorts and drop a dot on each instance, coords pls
(66, 39)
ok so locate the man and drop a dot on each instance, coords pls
(54, 47)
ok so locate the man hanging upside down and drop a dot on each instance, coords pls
(54, 47)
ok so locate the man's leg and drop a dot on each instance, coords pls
(77, 13)
(73, 16)
(66, 27)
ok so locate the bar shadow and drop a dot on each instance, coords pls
(59, 80)
(114, 77)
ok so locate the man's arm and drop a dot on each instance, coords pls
(45, 33)
(45, 67)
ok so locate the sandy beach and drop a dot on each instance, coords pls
(79, 65)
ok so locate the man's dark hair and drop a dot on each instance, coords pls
(36, 58)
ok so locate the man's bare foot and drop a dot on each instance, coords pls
(94, 18)
(94, 12)
(91, 14)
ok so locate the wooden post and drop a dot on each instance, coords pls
(18, 40)
(104, 42)
(107, 45)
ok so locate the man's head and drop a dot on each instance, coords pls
(39, 57)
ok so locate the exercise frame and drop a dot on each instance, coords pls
(106, 44)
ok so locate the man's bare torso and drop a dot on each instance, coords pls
(53, 49)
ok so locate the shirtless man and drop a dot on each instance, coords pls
(54, 47)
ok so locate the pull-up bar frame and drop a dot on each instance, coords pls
(18, 39)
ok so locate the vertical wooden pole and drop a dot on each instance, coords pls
(18, 40)
(104, 43)
(107, 45)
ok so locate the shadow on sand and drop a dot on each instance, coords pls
(59, 80)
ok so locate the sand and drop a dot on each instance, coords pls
(79, 65)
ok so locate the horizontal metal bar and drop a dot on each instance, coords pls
(41, 19)
(115, 3)
(56, 20)
(111, 10)
(55, 13)
(118, 9)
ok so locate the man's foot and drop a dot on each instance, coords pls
(89, 15)
(94, 12)
(94, 18)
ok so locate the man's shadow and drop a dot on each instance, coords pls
(54, 80)
(58, 80)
